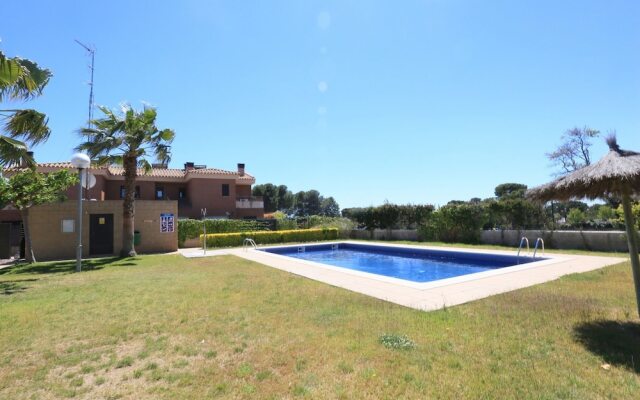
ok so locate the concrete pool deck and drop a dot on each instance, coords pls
(430, 295)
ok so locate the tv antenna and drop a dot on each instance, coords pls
(92, 53)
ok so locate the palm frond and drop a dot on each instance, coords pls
(14, 152)
(29, 125)
(21, 79)
(127, 132)
(145, 165)
(108, 160)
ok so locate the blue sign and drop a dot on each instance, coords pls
(167, 223)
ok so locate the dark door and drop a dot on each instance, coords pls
(5, 241)
(101, 234)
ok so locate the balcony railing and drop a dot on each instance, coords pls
(249, 202)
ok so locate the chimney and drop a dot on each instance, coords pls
(159, 166)
(241, 169)
(189, 165)
(23, 161)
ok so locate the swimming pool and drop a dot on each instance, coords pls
(406, 263)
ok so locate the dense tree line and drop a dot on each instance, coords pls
(462, 221)
(300, 204)
(390, 216)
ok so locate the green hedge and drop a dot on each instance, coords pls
(192, 228)
(455, 223)
(267, 237)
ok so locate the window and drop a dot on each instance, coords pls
(182, 193)
(123, 191)
(68, 225)
(225, 190)
(159, 192)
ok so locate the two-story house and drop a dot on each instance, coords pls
(224, 194)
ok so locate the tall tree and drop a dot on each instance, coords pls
(300, 203)
(127, 138)
(312, 201)
(269, 194)
(329, 207)
(573, 152)
(510, 190)
(285, 198)
(29, 188)
(21, 80)
(270, 197)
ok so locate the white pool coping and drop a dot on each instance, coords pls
(428, 295)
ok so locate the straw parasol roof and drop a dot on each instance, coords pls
(616, 173)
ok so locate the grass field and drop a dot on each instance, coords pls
(169, 327)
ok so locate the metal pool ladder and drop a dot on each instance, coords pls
(539, 241)
(522, 242)
(249, 242)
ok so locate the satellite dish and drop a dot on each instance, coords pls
(88, 180)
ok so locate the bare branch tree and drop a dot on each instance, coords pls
(573, 153)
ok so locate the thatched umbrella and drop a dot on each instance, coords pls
(616, 174)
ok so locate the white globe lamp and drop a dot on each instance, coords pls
(82, 162)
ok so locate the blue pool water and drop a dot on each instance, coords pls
(416, 265)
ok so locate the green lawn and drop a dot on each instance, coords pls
(169, 327)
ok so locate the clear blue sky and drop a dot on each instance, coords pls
(412, 101)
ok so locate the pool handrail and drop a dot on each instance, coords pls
(535, 248)
(249, 242)
(523, 240)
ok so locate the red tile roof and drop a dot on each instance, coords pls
(158, 172)
(115, 170)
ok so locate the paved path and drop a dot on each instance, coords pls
(6, 263)
(196, 252)
(432, 295)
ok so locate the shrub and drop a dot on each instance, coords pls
(413, 216)
(344, 225)
(576, 217)
(268, 237)
(606, 213)
(286, 224)
(635, 211)
(390, 216)
(456, 223)
(192, 228)
(387, 215)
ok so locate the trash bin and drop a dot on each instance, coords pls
(137, 238)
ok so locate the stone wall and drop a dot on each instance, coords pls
(50, 243)
(581, 240)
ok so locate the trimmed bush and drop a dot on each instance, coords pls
(457, 223)
(286, 224)
(192, 228)
(267, 237)
(390, 216)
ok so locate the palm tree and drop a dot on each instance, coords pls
(127, 138)
(21, 79)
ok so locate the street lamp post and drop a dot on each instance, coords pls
(204, 227)
(82, 162)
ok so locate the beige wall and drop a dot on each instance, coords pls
(49, 243)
